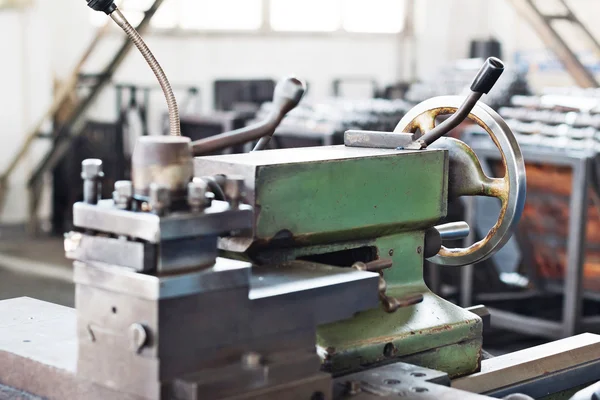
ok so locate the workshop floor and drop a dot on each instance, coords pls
(38, 269)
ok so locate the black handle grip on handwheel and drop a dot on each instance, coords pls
(488, 75)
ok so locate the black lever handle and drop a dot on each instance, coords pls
(488, 75)
(286, 97)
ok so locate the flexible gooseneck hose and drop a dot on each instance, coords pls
(174, 123)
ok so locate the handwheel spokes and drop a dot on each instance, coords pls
(495, 187)
(424, 122)
(475, 181)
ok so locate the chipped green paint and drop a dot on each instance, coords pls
(311, 202)
(445, 358)
(376, 336)
(349, 199)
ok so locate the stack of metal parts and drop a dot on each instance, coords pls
(456, 78)
(559, 132)
(332, 117)
(559, 118)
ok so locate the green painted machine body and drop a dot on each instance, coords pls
(336, 205)
(433, 333)
(329, 194)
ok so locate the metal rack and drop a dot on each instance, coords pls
(573, 321)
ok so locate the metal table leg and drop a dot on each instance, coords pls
(573, 288)
(466, 276)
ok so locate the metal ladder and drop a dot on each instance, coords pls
(543, 25)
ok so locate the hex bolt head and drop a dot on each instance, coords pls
(91, 172)
(72, 241)
(235, 190)
(138, 337)
(124, 188)
(91, 169)
(160, 198)
(123, 194)
(196, 197)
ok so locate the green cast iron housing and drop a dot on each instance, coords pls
(313, 202)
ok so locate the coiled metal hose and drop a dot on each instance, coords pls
(174, 123)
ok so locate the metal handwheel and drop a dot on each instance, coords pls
(466, 176)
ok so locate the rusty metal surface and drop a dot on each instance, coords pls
(414, 328)
(467, 177)
(433, 333)
(456, 118)
(438, 334)
(390, 304)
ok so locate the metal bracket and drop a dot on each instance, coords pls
(378, 140)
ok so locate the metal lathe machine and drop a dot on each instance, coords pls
(284, 274)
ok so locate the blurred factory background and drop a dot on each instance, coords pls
(366, 46)
(70, 90)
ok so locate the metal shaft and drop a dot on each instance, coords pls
(262, 143)
(174, 123)
(288, 93)
(91, 191)
(452, 122)
(238, 136)
(453, 230)
(485, 79)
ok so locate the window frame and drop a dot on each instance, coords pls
(265, 29)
